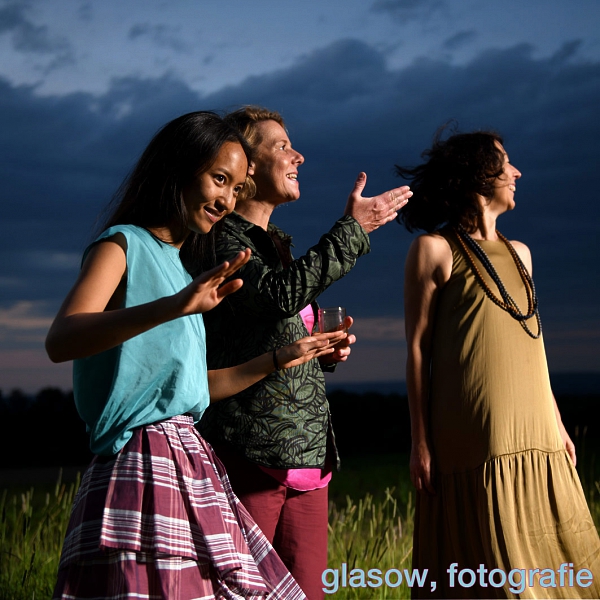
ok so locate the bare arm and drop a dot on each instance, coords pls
(84, 326)
(428, 267)
(224, 383)
(569, 445)
(372, 213)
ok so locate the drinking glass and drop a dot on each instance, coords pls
(332, 319)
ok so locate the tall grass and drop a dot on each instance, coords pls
(372, 531)
(365, 535)
(32, 529)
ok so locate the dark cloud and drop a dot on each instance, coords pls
(459, 40)
(348, 112)
(404, 11)
(85, 11)
(62, 158)
(567, 51)
(336, 75)
(161, 35)
(28, 37)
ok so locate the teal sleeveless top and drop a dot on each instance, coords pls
(154, 376)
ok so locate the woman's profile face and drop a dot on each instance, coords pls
(276, 165)
(505, 185)
(212, 194)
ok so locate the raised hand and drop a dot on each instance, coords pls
(206, 291)
(374, 212)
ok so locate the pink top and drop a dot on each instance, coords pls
(308, 316)
(303, 480)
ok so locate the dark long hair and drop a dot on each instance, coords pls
(151, 195)
(445, 187)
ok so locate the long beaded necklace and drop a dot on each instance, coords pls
(507, 302)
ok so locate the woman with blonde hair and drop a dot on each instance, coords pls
(275, 438)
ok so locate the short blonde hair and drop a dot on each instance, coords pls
(245, 120)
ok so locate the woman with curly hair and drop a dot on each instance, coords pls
(500, 506)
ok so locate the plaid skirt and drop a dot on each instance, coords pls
(160, 520)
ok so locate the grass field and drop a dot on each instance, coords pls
(371, 524)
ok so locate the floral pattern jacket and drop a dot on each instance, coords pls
(282, 421)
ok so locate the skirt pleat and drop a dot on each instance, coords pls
(160, 520)
(522, 513)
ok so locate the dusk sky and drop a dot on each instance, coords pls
(362, 85)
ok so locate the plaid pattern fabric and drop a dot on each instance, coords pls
(160, 520)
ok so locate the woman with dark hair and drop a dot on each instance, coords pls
(500, 508)
(275, 438)
(155, 516)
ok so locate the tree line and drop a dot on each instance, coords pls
(45, 430)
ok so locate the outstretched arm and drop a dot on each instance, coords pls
(276, 294)
(224, 383)
(428, 267)
(84, 326)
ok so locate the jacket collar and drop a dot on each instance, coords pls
(235, 223)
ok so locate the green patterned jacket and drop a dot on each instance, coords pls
(283, 420)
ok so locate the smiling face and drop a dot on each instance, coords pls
(505, 185)
(212, 194)
(276, 165)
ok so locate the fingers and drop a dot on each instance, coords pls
(385, 207)
(239, 261)
(572, 454)
(398, 197)
(225, 269)
(228, 288)
(343, 344)
(359, 185)
(320, 344)
(331, 337)
(322, 352)
(428, 484)
(422, 483)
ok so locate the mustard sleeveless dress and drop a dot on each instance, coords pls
(508, 496)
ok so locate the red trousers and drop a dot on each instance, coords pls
(294, 522)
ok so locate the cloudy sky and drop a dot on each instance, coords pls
(362, 84)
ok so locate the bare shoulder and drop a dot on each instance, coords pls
(524, 253)
(430, 243)
(430, 254)
(113, 248)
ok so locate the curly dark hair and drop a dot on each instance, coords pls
(446, 186)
